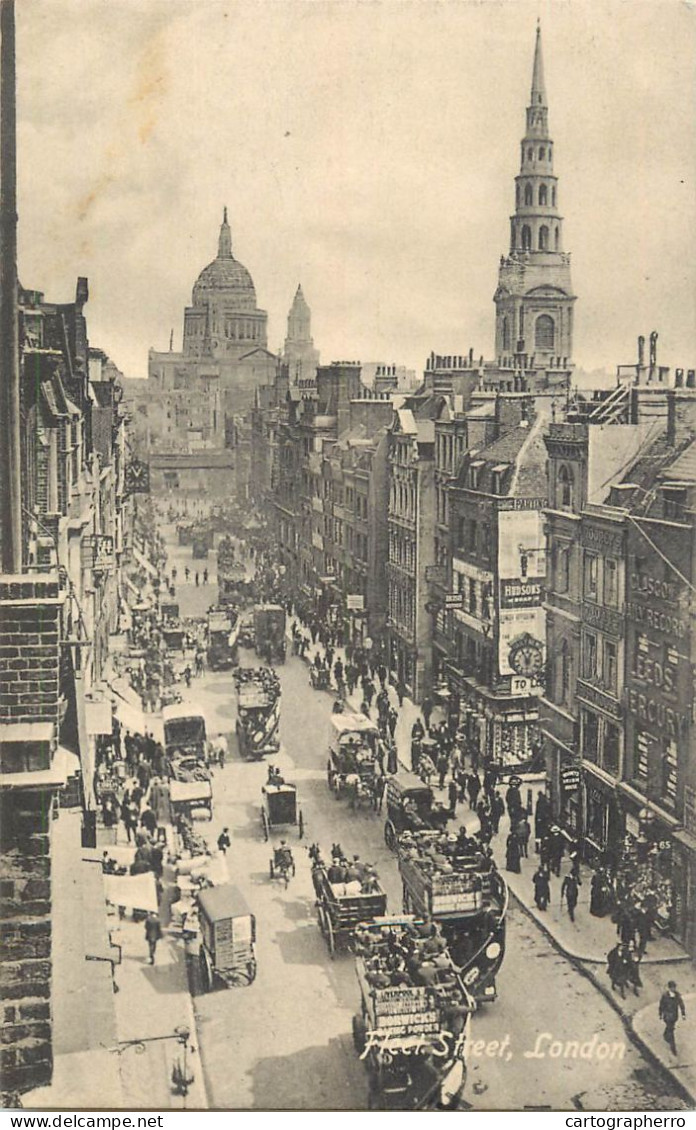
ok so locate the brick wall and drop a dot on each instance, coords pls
(29, 648)
(29, 692)
(26, 1057)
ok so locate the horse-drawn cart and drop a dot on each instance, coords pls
(339, 913)
(280, 809)
(186, 796)
(228, 933)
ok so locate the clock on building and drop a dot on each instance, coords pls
(526, 656)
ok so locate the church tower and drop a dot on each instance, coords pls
(534, 300)
(299, 352)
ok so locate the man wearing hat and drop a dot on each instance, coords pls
(671, 1004)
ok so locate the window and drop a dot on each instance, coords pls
(566, 674)
(526, 238)
(565, 487)
(590, 735)
(506, 336)
(674, 500)
(543, 239)
(553, 201)
(562, 577)
(610, 666)
(642, 746)
(473, 606)
(517, 196)
(669, 773)
(530, 154)
(591, 585)
(544, 328)
(528, 194)
(590, 656)
(610, 757)
(473, 535)
(611, 582)
(543, 194)
(542, 153)
(557, 239)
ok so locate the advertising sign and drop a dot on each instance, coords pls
(522, 573)
(355, 602)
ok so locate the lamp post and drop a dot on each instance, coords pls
(180, 1073)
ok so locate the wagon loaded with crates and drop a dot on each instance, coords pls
(339, 913)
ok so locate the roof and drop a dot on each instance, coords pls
(177, 711)
(684, 466)
(349, 723)
(224, 901)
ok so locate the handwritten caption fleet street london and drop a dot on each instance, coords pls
(547, 1047)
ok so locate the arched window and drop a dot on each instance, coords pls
(557, 239)
(544, 333)
(553, 197)
(564, 497)
(543, 194)
(542, 153)
(530, 154)
(526, 238)
(506, 336)
(543, 238)
(517, 195)
(528, 198)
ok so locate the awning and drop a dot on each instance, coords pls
(66, 762)
(98, 716)
(136, 892)
(137, 722)
(143, 561)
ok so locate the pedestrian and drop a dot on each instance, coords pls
(512, 854)
(453, 794)
(329, 656)
(473, 788)
(382, 674)
(174, 575)
(205, 576)
(187, 573)
(153, 933)
(542, 888)
(426, 710)
(555, 850)
(497, 811)
(523, 832)
(569, 891)
(400, 691)
(392, 719)
(224, 841)
(442, 767)
(671, 1005)
(198, 579)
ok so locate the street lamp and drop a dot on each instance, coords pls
(181, 1078)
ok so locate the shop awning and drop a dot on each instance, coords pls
(98, 716)
(144, 563)
(136, 892)
(137, 721)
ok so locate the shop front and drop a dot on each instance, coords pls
(604, 821)
(504, 729)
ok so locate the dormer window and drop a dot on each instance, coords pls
(674, 503)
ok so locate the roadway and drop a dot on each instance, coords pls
(285, 1041)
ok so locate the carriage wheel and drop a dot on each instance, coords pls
(330, 775)
(264, 824)
(390, 835)
(300, 828)
(271, 869)
(321, 919)
(330, 936)
(206, 970)
(359, 1034)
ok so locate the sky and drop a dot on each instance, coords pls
(365, 149)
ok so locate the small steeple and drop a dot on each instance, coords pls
(225, 240)
(538, 97)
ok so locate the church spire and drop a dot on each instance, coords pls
(538, 96)
(225, 240)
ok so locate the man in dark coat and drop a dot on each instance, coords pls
(153, 933)
(473, 788)
(671, 1005)
(569, 891)
(542, 888)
